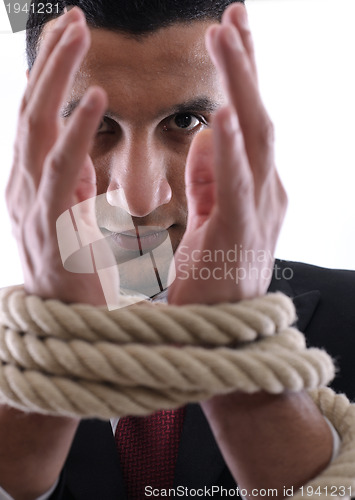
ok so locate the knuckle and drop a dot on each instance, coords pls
(8, 200)
(267, 135)
(36, 133)
(53, 35)
(34, 122)
(283, 198)
(55, 162)
(13, 212)
(8, 190)
(237, 139)
(244, 69)
(248, 41)
(238, 135)
(37, 122)
(279, 206)
(280, 190)
(24, 103)
(243, 187)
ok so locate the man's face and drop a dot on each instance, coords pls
(162, 90)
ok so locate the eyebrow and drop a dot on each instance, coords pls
(200, 104)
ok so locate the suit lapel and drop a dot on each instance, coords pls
(306, 301)
(306, 305)
(93, 469)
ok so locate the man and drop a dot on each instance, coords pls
(140, 99)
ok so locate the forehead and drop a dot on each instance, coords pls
(182, 42)
(163, 68)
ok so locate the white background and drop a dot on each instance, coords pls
(306, 53)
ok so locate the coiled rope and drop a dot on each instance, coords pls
(78, 360)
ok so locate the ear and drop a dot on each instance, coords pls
(27, 74)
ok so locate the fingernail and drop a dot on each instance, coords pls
(212, 31)
(243, 19)
(70, 34)
(65, 19)
(89, 101)
(232, 38)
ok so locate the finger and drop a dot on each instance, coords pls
(234, 179)
(237, 15)
(228, 53)
(53, 86)
(272, 202)
(68, 159)
(53, 83)
(199, 176)
(53, 35)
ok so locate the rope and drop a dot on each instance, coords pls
(78, 360)
(146, 323)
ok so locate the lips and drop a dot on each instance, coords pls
(141, 239)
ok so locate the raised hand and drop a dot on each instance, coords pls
(52, 170)
(236, 201)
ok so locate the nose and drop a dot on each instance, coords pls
(138, 177)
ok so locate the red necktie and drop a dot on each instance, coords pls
(148, 448)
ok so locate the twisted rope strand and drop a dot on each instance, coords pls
(272, 365)
(76, 360)
(147, 323)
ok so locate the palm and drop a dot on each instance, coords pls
(228, 219)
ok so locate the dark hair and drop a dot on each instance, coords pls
(134, 17)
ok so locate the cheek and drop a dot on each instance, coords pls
(102, 170)
(175, 175)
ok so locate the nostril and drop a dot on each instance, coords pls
(164, 192)
(117, 198)
(141, 198)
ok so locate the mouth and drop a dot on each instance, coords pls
(141, 239)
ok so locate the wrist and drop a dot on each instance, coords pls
(67, 287)
(270, 441)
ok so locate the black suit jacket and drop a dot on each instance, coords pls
(324, 302)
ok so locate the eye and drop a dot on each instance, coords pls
(186, 122)
(105, 127)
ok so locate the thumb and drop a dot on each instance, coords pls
(199, 176)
